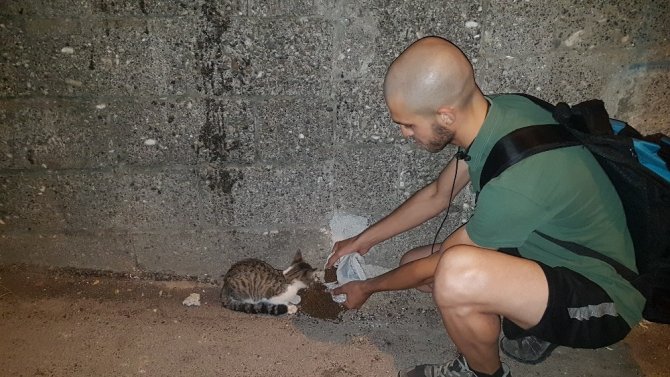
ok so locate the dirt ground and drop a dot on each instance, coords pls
(65, 323)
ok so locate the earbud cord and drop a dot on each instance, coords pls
(451, 193)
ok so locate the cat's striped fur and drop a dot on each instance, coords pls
(254, 286)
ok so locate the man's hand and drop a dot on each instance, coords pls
(344, 247)
(356, 293)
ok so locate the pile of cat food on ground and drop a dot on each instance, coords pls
(317, 302)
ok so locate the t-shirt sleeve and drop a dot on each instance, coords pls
(504, 218)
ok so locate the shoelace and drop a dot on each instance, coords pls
(458, 365)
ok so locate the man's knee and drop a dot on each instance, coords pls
(459, 277)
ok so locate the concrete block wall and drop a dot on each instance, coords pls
(180, 136)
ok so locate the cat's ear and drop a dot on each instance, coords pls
(298, 257)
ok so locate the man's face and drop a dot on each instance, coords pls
(426, 131)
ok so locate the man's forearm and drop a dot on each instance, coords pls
(423, 205)
(409, 275)
(418, 272)
(413, 212)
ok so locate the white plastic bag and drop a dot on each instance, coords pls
(349, 268)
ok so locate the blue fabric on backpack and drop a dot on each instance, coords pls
(647, 153)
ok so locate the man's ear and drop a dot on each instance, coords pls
(446, 116)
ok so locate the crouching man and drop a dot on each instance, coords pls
(502, 265)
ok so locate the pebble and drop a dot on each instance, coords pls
(192, 300)
(150, 142)
(574, 38)
(67, 50)
(73, 82)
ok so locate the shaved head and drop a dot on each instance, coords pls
(430, 74)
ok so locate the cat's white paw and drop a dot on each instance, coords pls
(295, 300)
(292, 309)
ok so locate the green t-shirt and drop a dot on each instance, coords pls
(563, 193)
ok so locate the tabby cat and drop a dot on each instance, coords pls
(254, 286)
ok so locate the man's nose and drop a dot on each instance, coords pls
(406, 132)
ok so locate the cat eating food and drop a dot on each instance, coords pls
(254, 286)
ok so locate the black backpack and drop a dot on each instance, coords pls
(643, 185)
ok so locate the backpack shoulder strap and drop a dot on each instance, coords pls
(522, 143)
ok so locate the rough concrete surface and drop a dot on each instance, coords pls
(76, 323)
(213, 123)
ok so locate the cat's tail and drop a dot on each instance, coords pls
(256, 308)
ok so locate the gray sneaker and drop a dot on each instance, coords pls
(528, 350)
(457, 368)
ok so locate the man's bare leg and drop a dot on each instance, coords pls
(418, 253)
(474, 286)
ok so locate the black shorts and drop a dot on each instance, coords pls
(579, 314)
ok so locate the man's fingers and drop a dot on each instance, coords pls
(333, 258)
(329, 259)
(340, 290)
